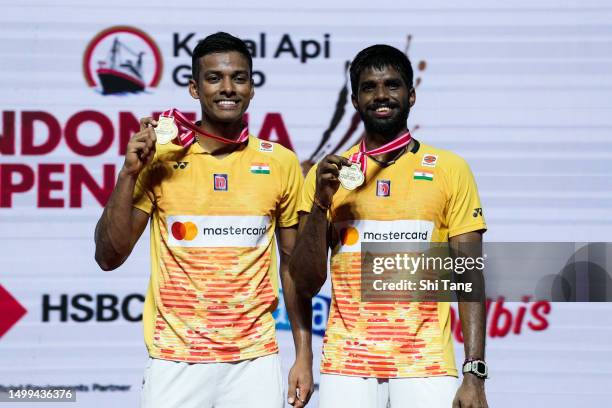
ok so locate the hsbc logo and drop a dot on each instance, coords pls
(220, 182)
(11, 311)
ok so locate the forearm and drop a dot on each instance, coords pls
(113, 232)
(309, 261)
(472, 312)
(473, 325)
(299, 310)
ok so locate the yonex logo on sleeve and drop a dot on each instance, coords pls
(180, 165)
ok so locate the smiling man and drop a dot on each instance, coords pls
(394, 189)
(214, 206)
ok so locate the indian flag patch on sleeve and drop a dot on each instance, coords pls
(260, 168)
(423, 175)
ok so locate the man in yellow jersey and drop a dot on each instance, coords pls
(394, 189)
(214, 207)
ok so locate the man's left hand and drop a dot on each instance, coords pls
(301, 384)
(471, 394)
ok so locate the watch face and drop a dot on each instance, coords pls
(480, 367)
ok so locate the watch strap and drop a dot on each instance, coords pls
(477, 367)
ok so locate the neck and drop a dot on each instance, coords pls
(375, 140)
(229, 131)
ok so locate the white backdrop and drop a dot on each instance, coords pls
(521, 90)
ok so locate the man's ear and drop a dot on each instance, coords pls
(412, 97)
(193, 89)
(354, 101)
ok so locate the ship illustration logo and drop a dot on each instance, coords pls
(122, 61)
(123, 75)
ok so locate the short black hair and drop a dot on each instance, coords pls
(218, 42)
(380, 56)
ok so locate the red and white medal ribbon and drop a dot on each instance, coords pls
(395, 144)
(187, 137)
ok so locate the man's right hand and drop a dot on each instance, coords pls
(141, 148)
(327, 177)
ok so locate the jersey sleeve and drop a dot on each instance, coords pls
(143, 197)
(292, 185)
(308, 191)
(465, 210)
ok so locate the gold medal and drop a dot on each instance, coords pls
(351, 176)
(166, 130)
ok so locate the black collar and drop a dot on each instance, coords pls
(415, 148)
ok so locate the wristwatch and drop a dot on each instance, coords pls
(477, 367)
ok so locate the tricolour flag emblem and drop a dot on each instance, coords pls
(423, 175)
(260, 168)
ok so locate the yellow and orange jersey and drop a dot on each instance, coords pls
(213, 284)
(427, 195)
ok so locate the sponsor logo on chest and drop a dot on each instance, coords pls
(220, 182)
(265, 146)
(217, 231)
(383, 188)
(429, 160)
(353, 233)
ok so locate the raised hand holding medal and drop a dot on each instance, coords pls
(166, 130)
(351, 176)
(328, 179)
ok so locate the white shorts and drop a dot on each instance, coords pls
(253, 383)
(358, 392)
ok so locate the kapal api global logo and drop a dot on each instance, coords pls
(122, 60)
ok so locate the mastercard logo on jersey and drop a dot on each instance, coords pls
(218, 231)
(349, 236)
(184, 231)
(352, 234)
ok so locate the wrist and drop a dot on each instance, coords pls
(323, 204)
(304, 354)
(473, 379)
(124, 173)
